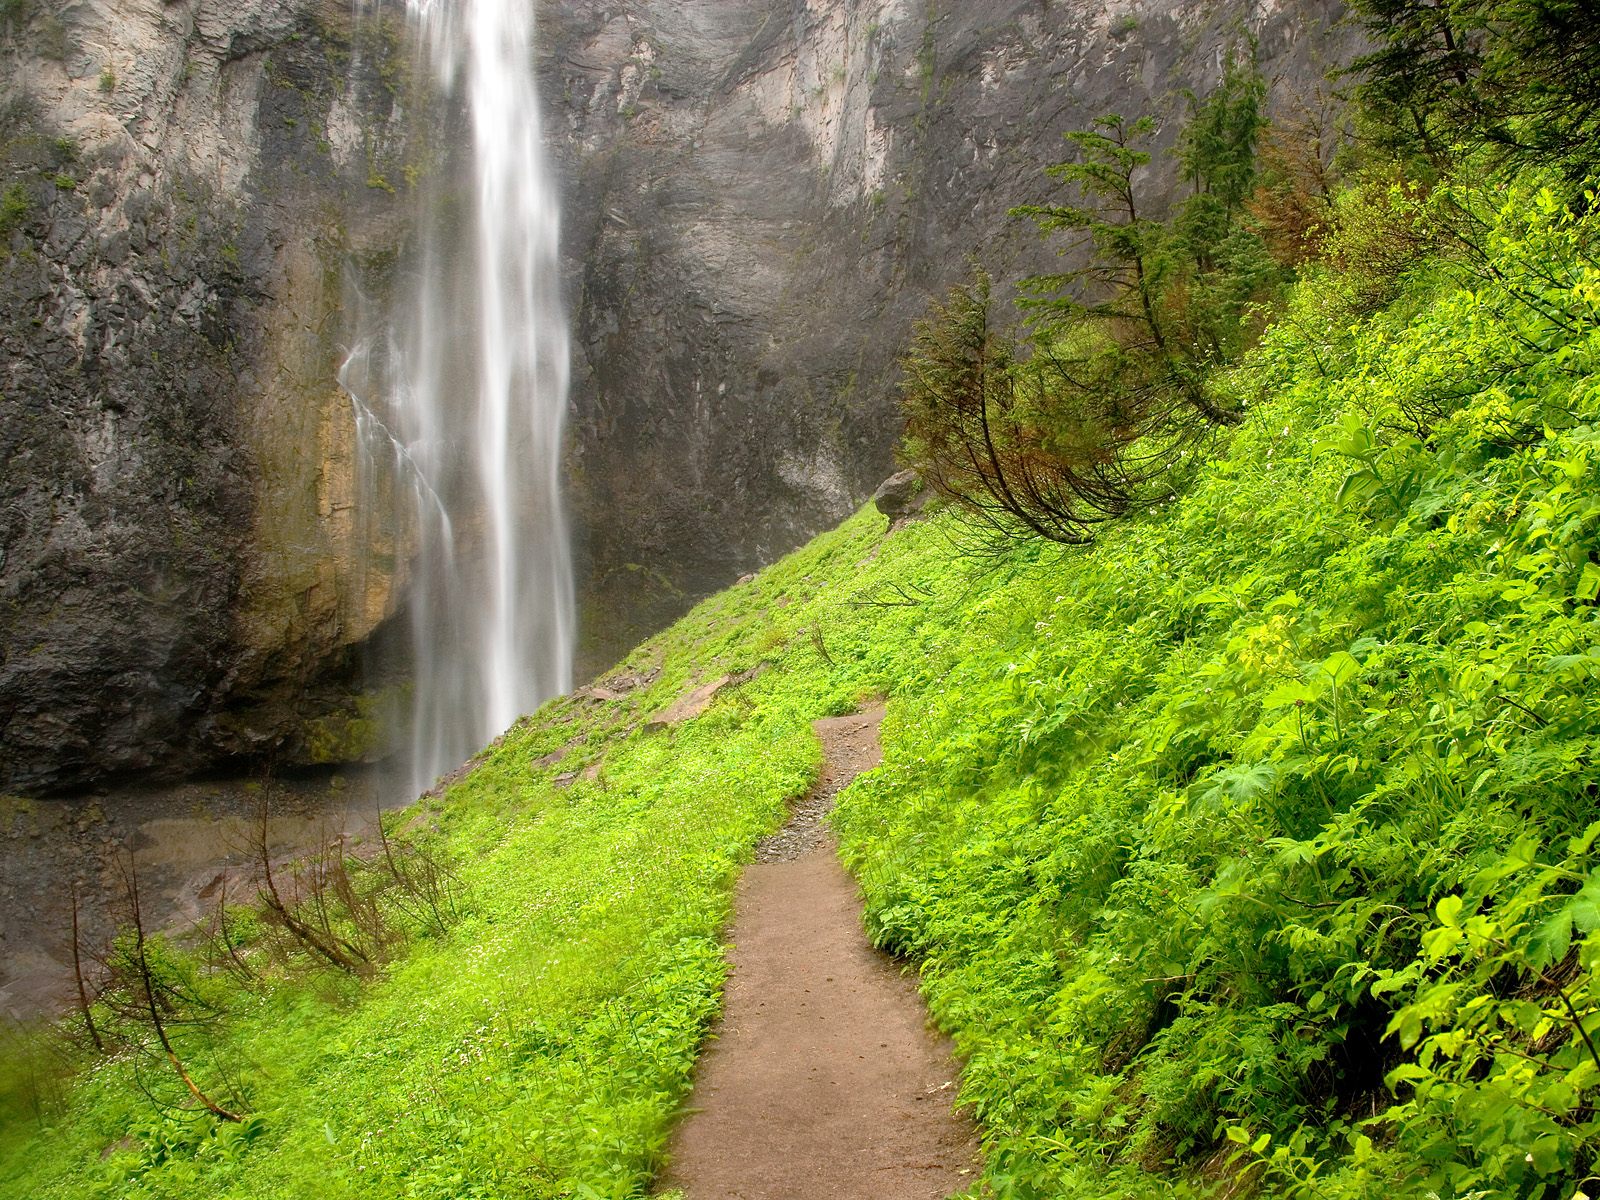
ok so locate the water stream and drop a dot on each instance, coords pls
(464, 405)
(458, 386)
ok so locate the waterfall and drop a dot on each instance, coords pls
(472, 365)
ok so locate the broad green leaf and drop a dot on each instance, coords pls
(1296, 691)
(1341, 667)
(1589, 583)
(1551, 941)
(1448, 911)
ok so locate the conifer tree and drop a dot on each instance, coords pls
(1518, 78)
(1086, 423)
(1174, 294)
(969, 428)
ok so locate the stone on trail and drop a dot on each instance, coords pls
(690, 706)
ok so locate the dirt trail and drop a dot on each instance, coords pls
(824, 1082)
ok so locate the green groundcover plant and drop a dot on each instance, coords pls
(1251, 851)
(1259, 856)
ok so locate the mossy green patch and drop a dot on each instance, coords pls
(363, 733)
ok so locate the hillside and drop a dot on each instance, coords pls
(1247, 852)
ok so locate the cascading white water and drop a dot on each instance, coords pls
(474, 385)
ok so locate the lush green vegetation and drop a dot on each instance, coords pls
(1253, 849)
(1248, 851)
(1517, 81)
(1272, 818)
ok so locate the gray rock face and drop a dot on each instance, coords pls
(764, 194)
(761, 196)
(175, 588)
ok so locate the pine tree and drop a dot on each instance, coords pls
(1519, 79)
(1175, 294)
(982, 431)
(1088, 421)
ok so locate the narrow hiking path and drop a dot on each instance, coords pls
(824, 1082)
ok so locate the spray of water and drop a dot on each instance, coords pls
(473, 371)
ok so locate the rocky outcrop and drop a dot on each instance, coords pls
(900, 496)
(181, 579)
(198, 196)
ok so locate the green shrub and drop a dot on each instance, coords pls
(1378, 230)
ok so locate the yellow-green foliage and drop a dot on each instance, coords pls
(1253, 852)
(1247, 852)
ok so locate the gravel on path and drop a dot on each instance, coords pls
(824, 1081)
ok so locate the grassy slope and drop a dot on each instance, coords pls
(1165, 824)
(1169, 822)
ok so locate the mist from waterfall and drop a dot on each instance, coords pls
(460, 391)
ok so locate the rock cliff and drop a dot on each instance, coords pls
(181, 579)
(761, 195)
(764, 194)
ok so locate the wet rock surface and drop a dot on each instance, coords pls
(178, 584)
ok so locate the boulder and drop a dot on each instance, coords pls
(901, 495)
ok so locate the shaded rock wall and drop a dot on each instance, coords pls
(183, 183)
(764, 194)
